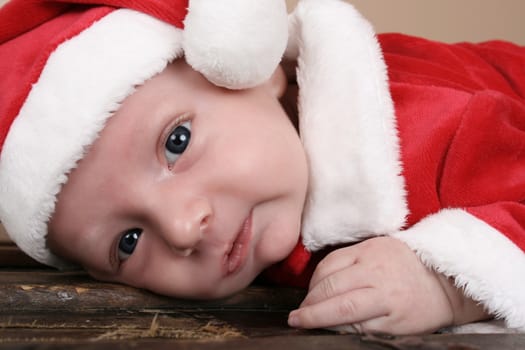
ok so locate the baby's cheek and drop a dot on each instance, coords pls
(279, 241)
(100, 275)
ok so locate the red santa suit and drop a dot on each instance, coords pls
(418, 140)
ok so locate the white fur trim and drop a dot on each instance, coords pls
(235, 43)
(83, 82)
(484, 262)
(490, 326)
(348, 126)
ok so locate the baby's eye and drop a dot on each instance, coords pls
(128, 243)
(177, 142)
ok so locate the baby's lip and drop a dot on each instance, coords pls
(237, 253)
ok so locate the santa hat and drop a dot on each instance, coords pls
(67, 65)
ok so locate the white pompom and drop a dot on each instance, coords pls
(235, 43)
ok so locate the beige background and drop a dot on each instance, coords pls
(447, 20)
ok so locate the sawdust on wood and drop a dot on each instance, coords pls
(210, 331)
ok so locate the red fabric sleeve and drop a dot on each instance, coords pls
(485, 167)
(461, 118)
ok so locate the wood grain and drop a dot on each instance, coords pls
(47, 309)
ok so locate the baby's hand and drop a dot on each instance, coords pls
(380, 285)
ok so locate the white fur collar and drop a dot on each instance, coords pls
(348, 126)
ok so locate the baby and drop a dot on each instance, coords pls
(162, 146)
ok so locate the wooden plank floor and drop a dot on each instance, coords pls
(46, 309)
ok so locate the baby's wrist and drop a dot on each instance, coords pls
(464, 309)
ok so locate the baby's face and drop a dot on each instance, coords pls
(190, 190)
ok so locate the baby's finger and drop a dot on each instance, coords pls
(354, 307)
(338, 283)
(333, 262)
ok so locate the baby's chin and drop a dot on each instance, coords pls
(219, 289)
(211, 293)
(229, 288)
(236, 284)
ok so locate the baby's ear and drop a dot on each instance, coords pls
(277, 83)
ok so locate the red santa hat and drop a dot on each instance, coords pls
(67, 65)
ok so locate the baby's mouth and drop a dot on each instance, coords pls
(236, 256)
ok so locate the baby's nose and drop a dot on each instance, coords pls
(183, 229)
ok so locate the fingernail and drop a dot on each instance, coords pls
(293, 320)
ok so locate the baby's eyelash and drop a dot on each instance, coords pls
(172, 151)
(115, 259)
(179, 120)
(183, 118)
